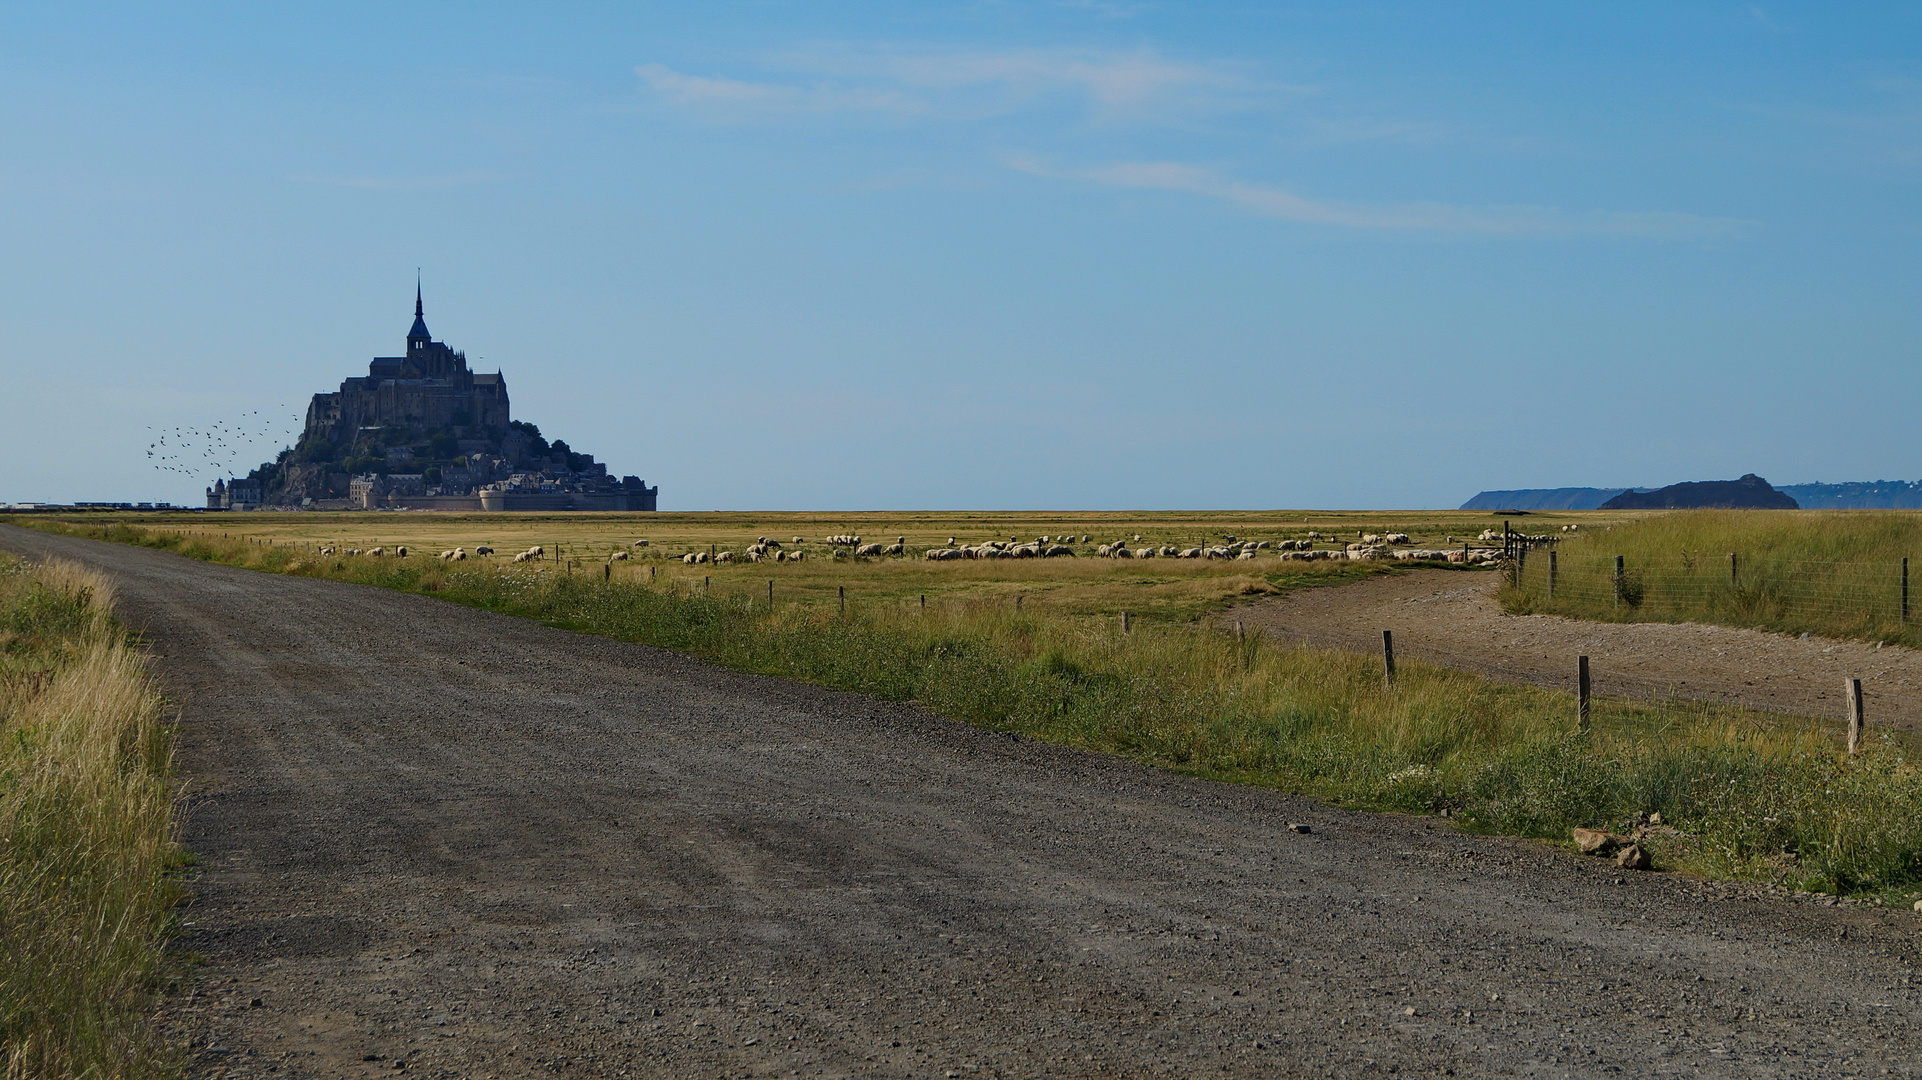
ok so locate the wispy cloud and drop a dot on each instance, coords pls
(1108, 80)
(1111, 85)
(741, 99)
(1284, 205)
(398, 183)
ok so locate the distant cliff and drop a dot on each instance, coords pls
(1862, 495)
(1751, 492)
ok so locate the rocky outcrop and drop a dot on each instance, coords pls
(1751, 492)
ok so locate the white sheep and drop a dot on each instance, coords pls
(640, 543)
(619, 556)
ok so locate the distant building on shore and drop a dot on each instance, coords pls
(421, 431)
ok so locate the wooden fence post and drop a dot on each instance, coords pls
(1734, 571)
(924, 601)
(1551, 573)
(770, 594)
(1854, 691)
(1017, 603)
(1388, 656)
(1241, 632)
(607, 571)
(844, 599)
(1581, 693)
(705, 582)
(1124, 623)
(1618, 579)
(1905, 589)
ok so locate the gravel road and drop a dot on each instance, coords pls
(1451, 617)
(456, 844)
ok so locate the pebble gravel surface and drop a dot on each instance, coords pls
(446, 843)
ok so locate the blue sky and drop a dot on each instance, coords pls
(983, 255)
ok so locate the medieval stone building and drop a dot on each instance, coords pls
(421, 430)
(428, 389)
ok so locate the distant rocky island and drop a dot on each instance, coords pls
(423, 432)
(1750, 492)
(1860, 495)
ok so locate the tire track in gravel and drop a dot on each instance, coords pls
(466, 845)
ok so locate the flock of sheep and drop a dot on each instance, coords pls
(1369, 546)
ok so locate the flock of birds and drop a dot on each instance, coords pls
(223, 449)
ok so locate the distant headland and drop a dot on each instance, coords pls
(1861, 495)
(423, 432)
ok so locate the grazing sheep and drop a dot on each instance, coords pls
(1055, 551)
(522, 557)
(400, 552)
(640, 543)
(868, 549)
(799, 540)
(377, 552)
(326, 551)
(1147, 553)
(895, 549)
(537, 551)
(796, 556)
(619, 556)
(1396, 538)
(725, 556)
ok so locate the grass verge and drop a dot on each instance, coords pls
(88, 846)
(1743, 794)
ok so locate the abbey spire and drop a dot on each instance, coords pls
(418, 337)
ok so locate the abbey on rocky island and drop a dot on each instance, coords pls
(421, 431)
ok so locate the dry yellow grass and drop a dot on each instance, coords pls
(87, 838)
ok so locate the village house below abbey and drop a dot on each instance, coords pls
(421, 431)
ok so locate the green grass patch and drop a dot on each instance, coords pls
(1836, 573)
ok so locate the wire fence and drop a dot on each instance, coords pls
(1844, 598)
(1886, 700)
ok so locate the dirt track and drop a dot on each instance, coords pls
(471, 846)
(1451, 617)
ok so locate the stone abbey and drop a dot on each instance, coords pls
(421, 431)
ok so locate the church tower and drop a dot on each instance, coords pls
(418, 338)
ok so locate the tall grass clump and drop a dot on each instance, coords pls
(1742, 794)
(87, 838)
(1837, 573)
